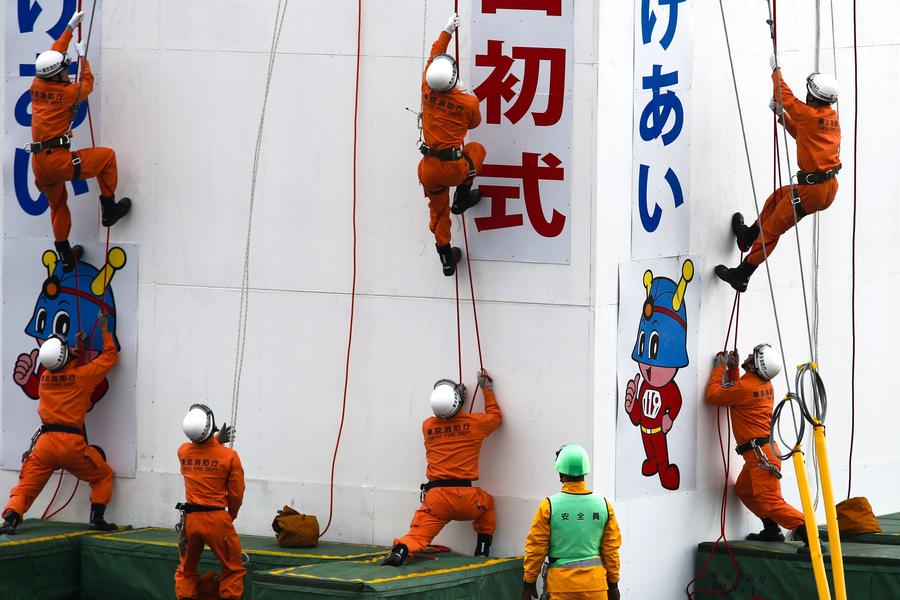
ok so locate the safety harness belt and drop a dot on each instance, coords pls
(186, 508)
(812, 178)
(754, 443)
(52, 428)
(442, 483)
(62, 141)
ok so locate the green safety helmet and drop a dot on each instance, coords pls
(572, 460)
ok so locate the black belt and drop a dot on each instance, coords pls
(51, 428)
(445, 154)
(187, 507)
(754, 443)
(62, 141)
(813, 178)
(446, 483)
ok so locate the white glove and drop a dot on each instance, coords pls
(76, 20)
(775, 107)
(452, 24)
(81, 48)
(773, 62)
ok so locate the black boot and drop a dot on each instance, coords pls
(68, 255)
(111, 211)
(98, 523)
(771, 532)
(397, 556)
(738, 277)
(10, 522)
(449, 258)
(483, 545)
(744, 236)
(464, 198)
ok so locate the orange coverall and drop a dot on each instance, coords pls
(446, 117)
(818, 135)
(52, 105)
(65, 397)
(213, 476)
(750, 400)
(452, 447)
(576, 583)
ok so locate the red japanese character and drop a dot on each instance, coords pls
(499, 84)
(531, 175)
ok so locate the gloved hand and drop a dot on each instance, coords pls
(80, 338)
(529, 591)
(452, 24)
(102, 320)
(773, 62)
(732, 359)
(461, 388)
(613, 594)
(81, 48)
(775, 107)
(226, 433)
(484, 380)
(76, 20)
(719, 359)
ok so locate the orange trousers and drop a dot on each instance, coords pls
(777, 214)
(53, 168)
(437, 177)
(216, 530)
(61, 451)
(443, 505)
(760, 491)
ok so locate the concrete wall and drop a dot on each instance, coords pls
(183, 86)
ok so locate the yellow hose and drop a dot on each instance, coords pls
(812, 532)
(834, 536)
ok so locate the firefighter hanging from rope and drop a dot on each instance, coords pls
(448, 112)
(660, 350)
(54, 102)
(814, 124)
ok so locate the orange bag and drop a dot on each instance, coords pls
(855, 516)
(295, 530)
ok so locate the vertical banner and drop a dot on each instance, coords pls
(523, 75)
(656, 428)
(41, 300)
(663, 63)
(31, 28)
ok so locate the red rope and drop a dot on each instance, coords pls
(853, 261)
(53, 498)
(337, 443)
(69, 501)
(458, 325)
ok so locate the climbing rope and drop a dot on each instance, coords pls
(337, 443)
(280, 11)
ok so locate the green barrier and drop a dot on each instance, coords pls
(890, 532)
(141, 563)
(441, 577)
(774, 570)
(41, 561)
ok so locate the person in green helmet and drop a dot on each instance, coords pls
(577, 532)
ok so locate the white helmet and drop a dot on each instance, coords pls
(767, 362)
(823, 86)
(442, 74)
(199, 423)
(50, 62)
(54, 353)
(446, 399)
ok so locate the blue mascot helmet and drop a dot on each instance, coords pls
(662, 331)
(57, 308)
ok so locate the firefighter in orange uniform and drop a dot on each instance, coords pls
(214, 488)
(452, 445)
(54, 100)
(448, 112)
(65, 397)
(815, 126)
(750, 400)
(578, 532)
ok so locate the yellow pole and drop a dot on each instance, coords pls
(812, 532)
(834, 536)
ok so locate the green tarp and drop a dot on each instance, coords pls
(40, 562)
(439, 577)
(775, 571)
(141, 563)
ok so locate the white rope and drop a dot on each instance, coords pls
(280, 12)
